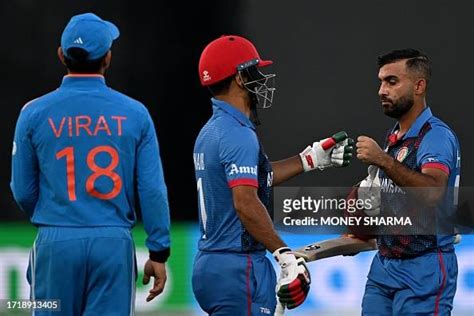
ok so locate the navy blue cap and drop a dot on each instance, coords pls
(91, 33)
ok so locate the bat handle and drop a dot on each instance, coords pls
(280, 309)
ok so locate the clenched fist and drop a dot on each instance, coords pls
(369, 152)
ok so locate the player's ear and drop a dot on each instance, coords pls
(239, 80)
(61, 55)
(420, 87)
(107, 59)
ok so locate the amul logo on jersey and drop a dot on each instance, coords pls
(234, 169)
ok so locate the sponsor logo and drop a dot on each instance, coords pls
(78, 41)
(265, 310)
(309, 160)
(388, 186)
(402, 154)
(205, 76)
(234, 169)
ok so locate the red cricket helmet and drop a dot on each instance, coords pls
(221, 58)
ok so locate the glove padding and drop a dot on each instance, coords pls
(335, 151)
(294, 281)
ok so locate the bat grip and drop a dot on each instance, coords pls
(280, 309)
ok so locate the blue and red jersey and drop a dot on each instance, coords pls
(79, 155)
(429, 143)
(227, 153)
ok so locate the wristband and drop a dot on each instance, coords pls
(160, 256)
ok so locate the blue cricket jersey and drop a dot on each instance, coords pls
(429, 143)
(81, 152)
(227, 153)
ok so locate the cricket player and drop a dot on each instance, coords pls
(79, 153)
(412, 275)
(231, 275)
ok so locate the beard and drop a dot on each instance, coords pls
(398, 108)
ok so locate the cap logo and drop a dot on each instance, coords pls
(78, 41)
(205, 76)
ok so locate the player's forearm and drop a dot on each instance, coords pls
(286, 169)
(156, 220)
(26, 203)
(25, 196)
(405, 177)
(257, 222)
(25, 174)
(431, 189)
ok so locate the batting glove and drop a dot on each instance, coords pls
(293, 283)
(335, 151)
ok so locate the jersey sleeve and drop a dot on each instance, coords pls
(438, 150)
(25, 170)
(152, 193)
(238, 151)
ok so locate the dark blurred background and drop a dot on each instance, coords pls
(324, 55)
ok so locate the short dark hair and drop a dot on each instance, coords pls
(77, 61)
(221, 86)
(416, 61)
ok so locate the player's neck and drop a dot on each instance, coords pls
(236, 101)
(407, 120)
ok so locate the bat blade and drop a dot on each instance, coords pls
(335, 247)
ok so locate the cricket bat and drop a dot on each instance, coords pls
(346, 245)
(334, 247)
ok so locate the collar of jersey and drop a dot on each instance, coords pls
(82, 80)
(232, 111)
(416, 127)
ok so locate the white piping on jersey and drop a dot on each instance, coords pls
(33, 273)
(132, 292)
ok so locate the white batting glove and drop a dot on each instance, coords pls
(294, 280)
(335, 151)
